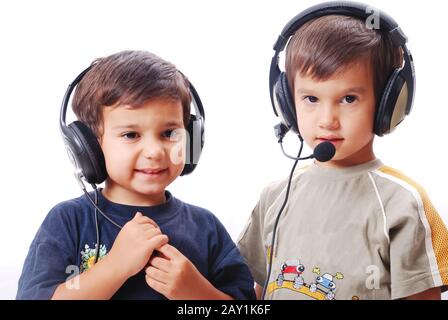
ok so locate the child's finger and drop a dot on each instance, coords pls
(160, 263)
(139, 218)
(158, 275)
(151, 233)
(156, 285)
(157, 241)
(148, 228)
(169, 251)
(137, 215)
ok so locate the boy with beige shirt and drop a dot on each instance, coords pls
(352, 228)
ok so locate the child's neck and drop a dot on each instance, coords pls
(118, 194)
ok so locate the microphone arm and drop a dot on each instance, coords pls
(295, 158)
(280, 131)
(323, 152)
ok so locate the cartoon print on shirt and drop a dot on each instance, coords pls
(325, 283)
(291, 270)
(291, 277)
(88, 256)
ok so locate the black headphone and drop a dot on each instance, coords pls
(398, 94)
(85, 151)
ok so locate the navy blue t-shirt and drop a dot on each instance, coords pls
(65, 246)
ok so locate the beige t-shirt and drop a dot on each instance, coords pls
(364, 232)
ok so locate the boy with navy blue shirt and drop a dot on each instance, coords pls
(137, 106)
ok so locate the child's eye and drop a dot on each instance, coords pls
(310, 99)
(171, 133)
(349, 99)
(130, 135)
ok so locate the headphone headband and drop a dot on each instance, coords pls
(66, 99)
(345, 8)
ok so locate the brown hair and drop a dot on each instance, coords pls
(128, 78)
(322, 46)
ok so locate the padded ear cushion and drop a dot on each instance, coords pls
(195, 143)
(90, 157)
(391, 109)
(286, 102)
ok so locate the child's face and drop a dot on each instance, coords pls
(144, 150)
(340, 110)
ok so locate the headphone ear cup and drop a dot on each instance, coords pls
(87, 152)
(195, 143)
(286, 105)
(393, 104)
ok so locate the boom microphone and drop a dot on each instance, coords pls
(324, 151)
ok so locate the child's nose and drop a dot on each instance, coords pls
(329, 119)
(153, 149)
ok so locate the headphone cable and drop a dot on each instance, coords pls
(97, 249)
(100, 211)
(271, 253)
(97, 209)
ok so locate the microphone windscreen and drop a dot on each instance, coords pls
(324, 151)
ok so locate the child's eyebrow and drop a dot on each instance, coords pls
(354, 89)
(126, 126)
(302, 91)
(136, 126)
(173, 124)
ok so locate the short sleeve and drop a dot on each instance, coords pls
(418, 246)
(228, 272)
(48, 262)
(251, 246)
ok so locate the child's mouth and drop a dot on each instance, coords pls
(335, 141)
(152, 172)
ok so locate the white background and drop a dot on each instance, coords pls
(225, 49)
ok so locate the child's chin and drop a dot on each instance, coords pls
(335, 158)
(151, 191)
